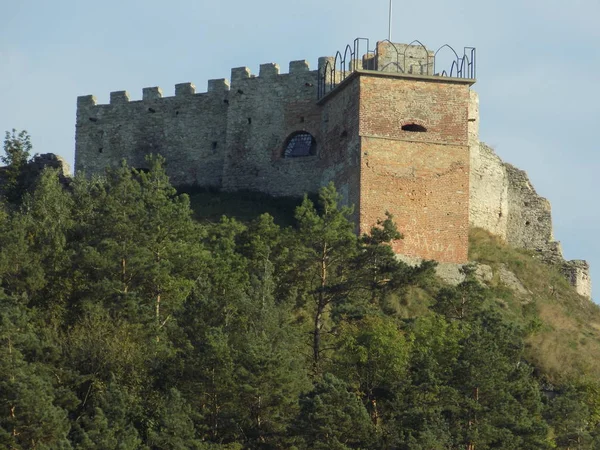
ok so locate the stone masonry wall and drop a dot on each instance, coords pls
(577, 272)
(341, 146)
(529, 223)
(188, 129)
(489, 191)
(264, 111)
(410, 59)
(422, 178)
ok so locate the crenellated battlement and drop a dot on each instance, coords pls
(154, 93)
(267, 71)
(191, 129)
(205, 135)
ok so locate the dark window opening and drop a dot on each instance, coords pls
(300, 144)
(249, 120)
(152, 110)
(413, 127)
(344, 134)
(214, 145)
(528, 223)
(100, 150)
(301, 119)
(93, 119)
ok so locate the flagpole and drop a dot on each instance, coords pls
(390, 23)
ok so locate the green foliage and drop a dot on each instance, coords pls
(332, 417)
(17, 150)
(372, 355)
(461, 302)
(125, 323)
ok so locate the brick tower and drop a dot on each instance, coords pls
(411, 129)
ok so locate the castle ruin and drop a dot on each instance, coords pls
(386, 125)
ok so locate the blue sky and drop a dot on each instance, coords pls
(537, 71)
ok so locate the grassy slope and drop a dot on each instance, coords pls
(565, 328)
(565, 341)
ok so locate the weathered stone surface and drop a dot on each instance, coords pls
(578, 273)
(449, 272)
(188, 130)
(511, 281)
(488, 208)
(484, 273)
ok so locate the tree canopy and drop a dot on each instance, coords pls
(125, 323)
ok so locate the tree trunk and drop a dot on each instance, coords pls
(321, 303)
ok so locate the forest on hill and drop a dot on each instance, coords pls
(127, 323)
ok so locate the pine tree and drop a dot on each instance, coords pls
(17, 150)
(325, 246)
(333, 418)
(29, 414)
(372, 357)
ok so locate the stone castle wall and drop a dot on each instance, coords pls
(189, 130)
(263, 111)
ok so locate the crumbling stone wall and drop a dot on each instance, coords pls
(504, 202)
(529, 222)
(577, 272)
(34, 167)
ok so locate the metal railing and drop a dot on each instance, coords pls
(413, 58)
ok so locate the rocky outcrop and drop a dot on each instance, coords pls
(36, 165)
(577, 272)
(39, 162)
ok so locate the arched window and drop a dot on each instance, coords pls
(414, 127)
(300, 144)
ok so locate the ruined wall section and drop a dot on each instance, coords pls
(489, 191)
(529, 223)
(504, 202)
(577, 272)
(187, 129)
(263, 112)
(488, 202)
(422, 178)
